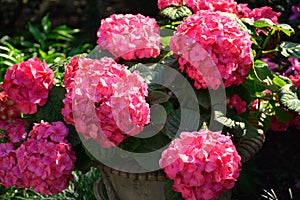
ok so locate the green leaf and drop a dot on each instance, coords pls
(170, 193)
(239, 126)
(96, 53)
(168, 107)
(279, 81)
(130, 144)
(262, 76)
(51, 111)
(157, 97)
(290, 49)
(289, 98)
(176, 12)
(263, 22)
(37, 34)
(282, 115)
(203, 97)
(153, 143)
(46, 23)
(166, 34)
(43, 54)
(182, 120)
(287, 29)
(154, 73)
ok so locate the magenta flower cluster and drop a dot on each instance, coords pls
(213, 50)
(106, 100)
(44, 161)
(237, 103)
(202, 164)
(129, 36)
(41, 159)
(28, 84)
(13, 130)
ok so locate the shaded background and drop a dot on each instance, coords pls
(276, 167)
(86, 14)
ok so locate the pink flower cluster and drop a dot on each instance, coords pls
(28, 84)
(213, 50)
(238, 104)
(129, 36)
(43, 162)
(14, 130)
(46, 159)
(69, 75)
(9, 171)
(108, 101)
(197, 5)
(296, 80)
(8, 109)
(202, 164)
(257, 13)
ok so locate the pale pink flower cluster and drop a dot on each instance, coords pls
(196, 5)
(202, 164)
(213, 50)
(14, 130)
(46, 160)
(8, 109)
(129, 36)
(257, 13)
(28, 84)
(238, 104)
(108, 101)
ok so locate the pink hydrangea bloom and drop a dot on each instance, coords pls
(258, 13)
(296, 80)
(196, 5)
(129, 36)
(28, 84)
(202, 164)
(69, 75)
(9, 172)
(56, 131)
(108, 103)
(238, 104)
(213, 50)
(8, 109)
(264, 12)
(46, 159)
(243, 10)
(14, 130)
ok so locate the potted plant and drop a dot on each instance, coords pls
(181, 101)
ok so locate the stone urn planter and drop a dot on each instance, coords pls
(117, 185)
